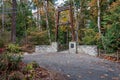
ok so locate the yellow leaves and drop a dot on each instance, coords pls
(38, 33)
(90, 32)
(64, 17)
(93, 10)
(114, 5)
(97, 36)
(63, 28)
(37, 2)
(93, 3)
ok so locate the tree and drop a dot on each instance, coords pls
(24, 20)
(13, 30)
(39, 6)
(111, 24)
(47, 23)
(3, 15)
(45, 19)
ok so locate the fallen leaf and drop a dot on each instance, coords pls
(89, 72)
(106, 75)
(80, 76)
(115, 78)
(102, 76)
(119, 75)
(110, 69)
(68, 75)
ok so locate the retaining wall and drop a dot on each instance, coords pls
(86, 49)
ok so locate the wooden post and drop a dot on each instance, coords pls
(118, 54)
(60, 9)
(71, 21)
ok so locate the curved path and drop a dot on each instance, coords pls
(77, 66)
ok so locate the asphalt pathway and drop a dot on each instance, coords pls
(77, 66)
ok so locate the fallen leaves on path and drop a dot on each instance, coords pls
(115, 78)
(102, 76)
(79, 76)
(109, 57)
(110, 69)
(89, 72)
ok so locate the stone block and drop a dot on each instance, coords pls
(72, 47)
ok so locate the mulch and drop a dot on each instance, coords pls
(110, 57)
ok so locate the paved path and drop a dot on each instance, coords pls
(77, 66)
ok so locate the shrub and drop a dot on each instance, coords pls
(13, 48)
(32, 66)
(14, 62)
(1, 43)
(110, 39)
(111, 23)
(3, 62)
(16, 76)
(39, 38)
(5, 37)
(90, 37)
(9, 62)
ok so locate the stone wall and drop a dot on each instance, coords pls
(88, 49)
(46, 48)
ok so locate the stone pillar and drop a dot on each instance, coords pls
(37, 48)
(73, 47)
(54, 46)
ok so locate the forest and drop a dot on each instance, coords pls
(95, 22)
(27, 23)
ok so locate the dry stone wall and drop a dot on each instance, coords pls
(86, 49)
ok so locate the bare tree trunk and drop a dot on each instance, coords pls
(2, 15)
(47, 23)
(13, 30)
(77, 24)
(39, 21)
(38, 18)
(99, 23)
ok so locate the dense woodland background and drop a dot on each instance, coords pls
(26, 23)
(97, 22)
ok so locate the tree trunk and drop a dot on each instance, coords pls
(13, 30)
(46, 13)
(38, 18)
(3, 15)
(99, 23)
(40, 27)
(77, 24)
